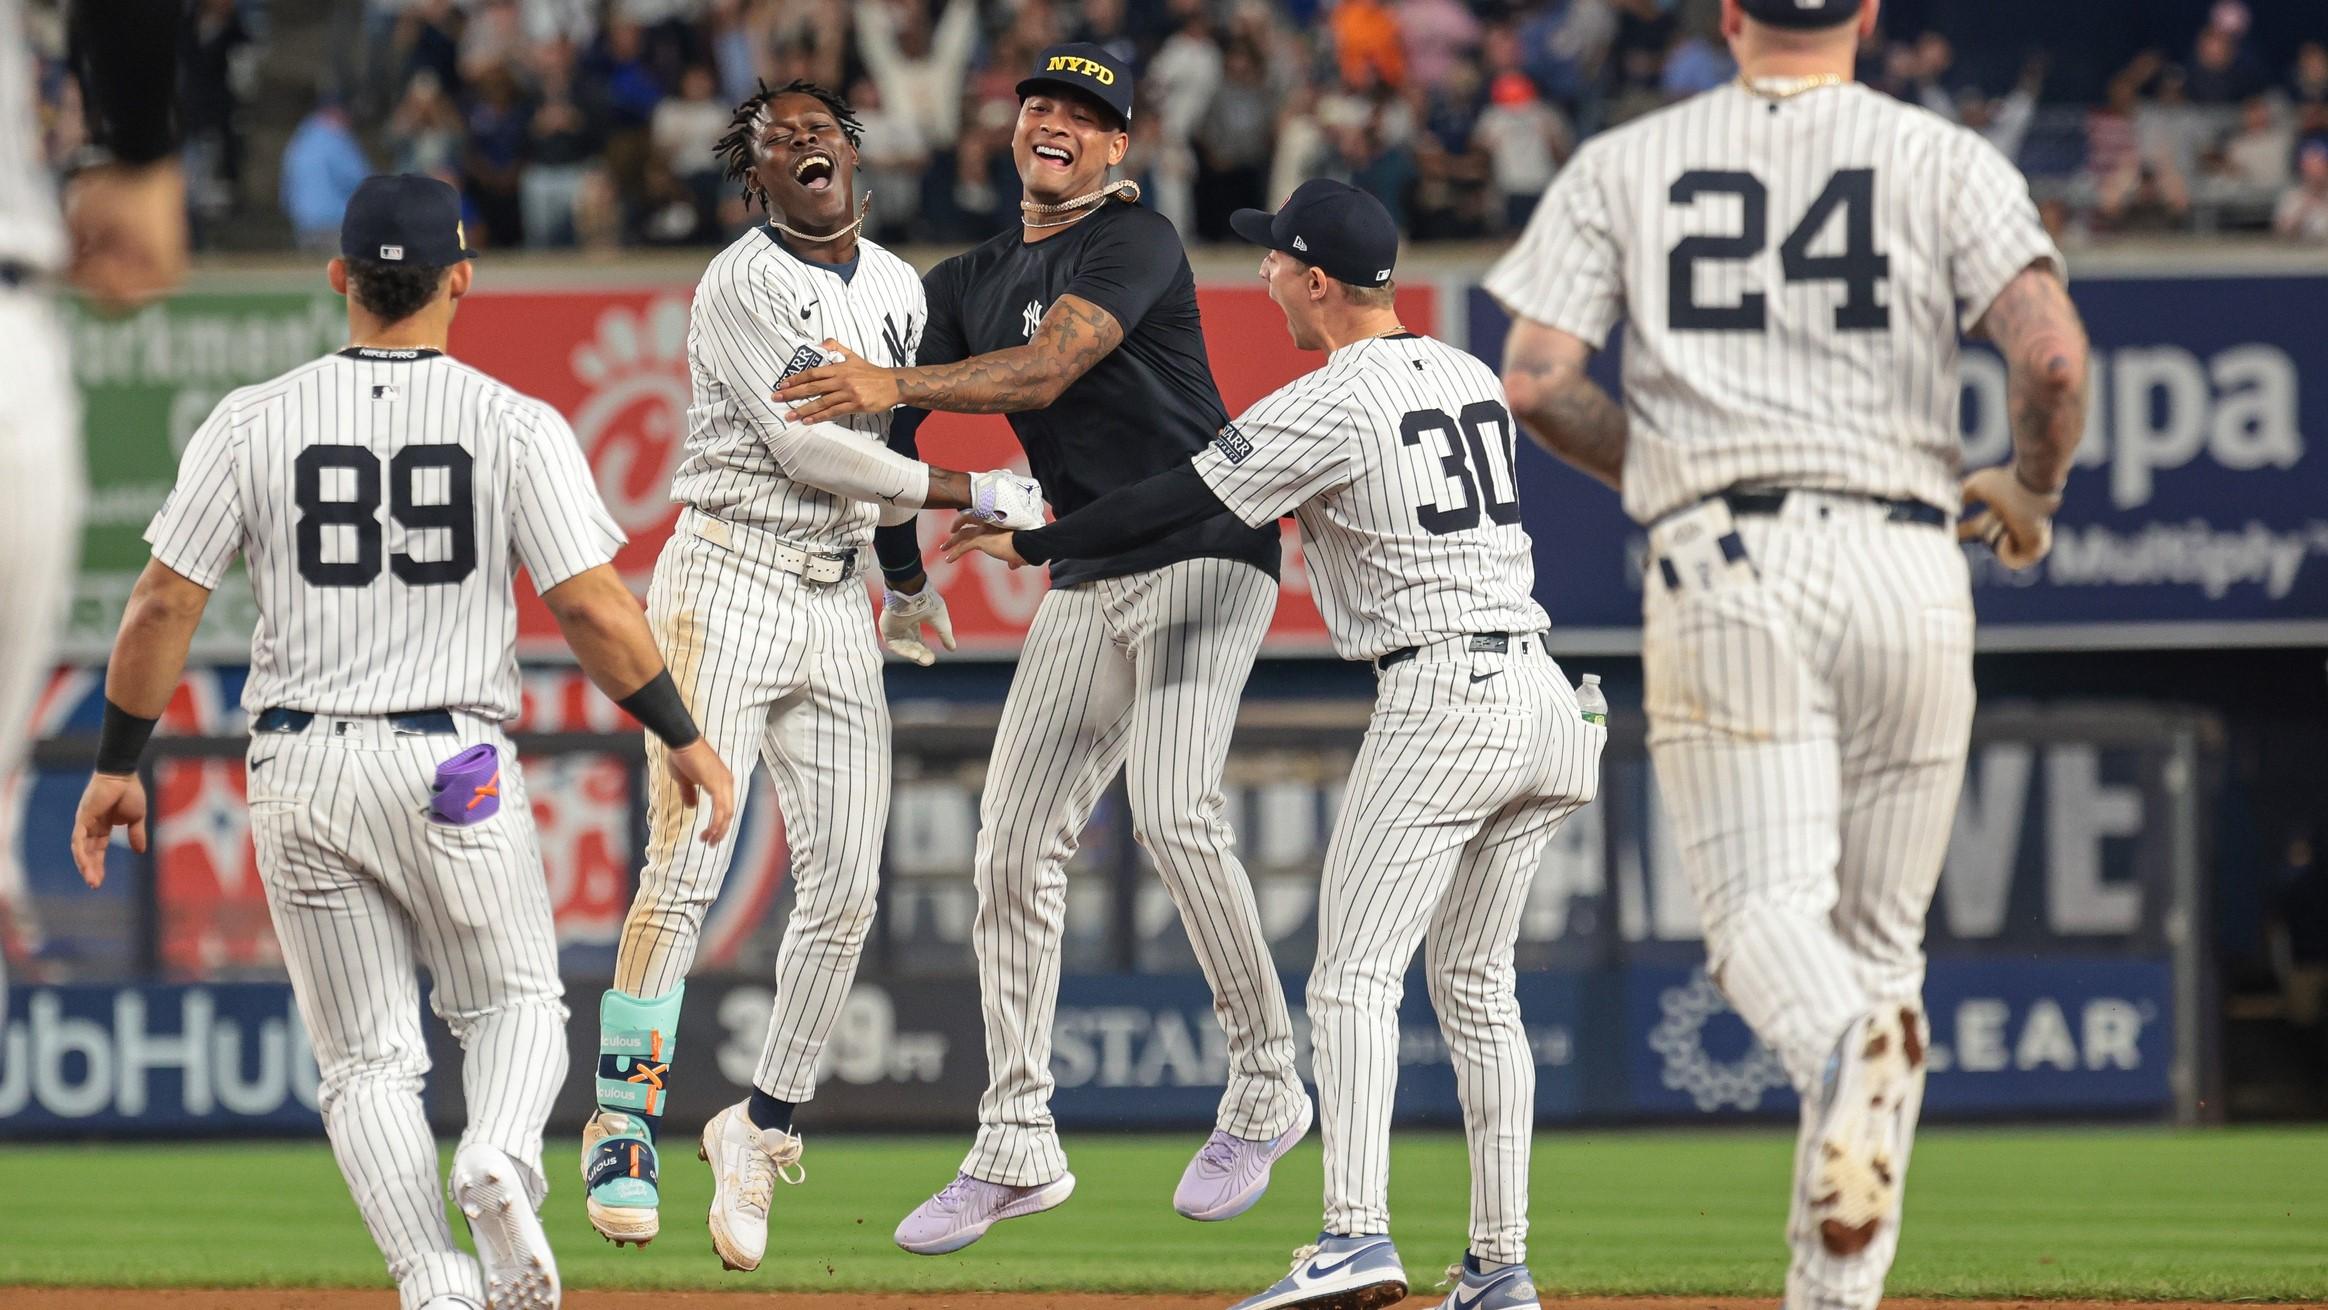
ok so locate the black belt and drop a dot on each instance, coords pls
(1494, 643)
(427, 722)
(1768, 502)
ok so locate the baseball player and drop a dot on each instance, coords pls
(757, 598)
(383, 497)
(1081, 324)
(1396, 457)
(122, 240)
(1792, 256)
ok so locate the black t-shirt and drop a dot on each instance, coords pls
(1146, 406)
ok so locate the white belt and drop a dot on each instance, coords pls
(822, 568)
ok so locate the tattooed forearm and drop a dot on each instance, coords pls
(1075, 335)
(2044, 345)
(1563, 410)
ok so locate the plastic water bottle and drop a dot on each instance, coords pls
(1589, 701)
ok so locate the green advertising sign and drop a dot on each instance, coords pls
(147, 381)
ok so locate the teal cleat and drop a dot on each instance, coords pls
(618, 1164)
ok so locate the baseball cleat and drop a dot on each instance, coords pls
(1231, 1173)
(520, 1272)
(1505, 1288)
(965, 1208)
(745, 1164)
(1855, 1175)
(1337, 1273)
(619, 1168)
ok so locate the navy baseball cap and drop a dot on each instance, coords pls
(1332, 225)
(1801, 13)
(1082, 66)
(404, 218)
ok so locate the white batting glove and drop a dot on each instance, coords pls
(2017, 522)
(902, 619)
(1006, 500)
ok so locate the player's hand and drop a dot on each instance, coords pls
(700, 773)
(971, 535)
(127, 223)
(848, 385)
(1003, 498)
(904, 614)
(111, 800)
(2018, 523)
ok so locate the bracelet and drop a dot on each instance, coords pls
(897, 573)
(121, 741)
(2035, 491)
(658, 706)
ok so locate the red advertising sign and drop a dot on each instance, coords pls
(615, 363)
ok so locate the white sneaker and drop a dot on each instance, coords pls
(520, 1272)
(1855, 1174)
(745, 1164)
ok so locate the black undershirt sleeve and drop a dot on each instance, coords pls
(1128, 517)
(125, 54)
(899, 547)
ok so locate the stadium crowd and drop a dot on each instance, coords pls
(589, 122)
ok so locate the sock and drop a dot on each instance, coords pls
(636, 1038)
(766, 1111)
(1479, 1268)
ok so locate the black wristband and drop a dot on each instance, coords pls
(896, 574)
(121, 742)
(1032, 546)
(658, 706)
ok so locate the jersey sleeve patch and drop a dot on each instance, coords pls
(803, 359)
(1234, 446)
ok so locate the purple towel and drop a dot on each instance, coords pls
(468, 787)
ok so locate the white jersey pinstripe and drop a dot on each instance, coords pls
(758, 309)
(383, 500)
(1396, 457)
(1791, 274)
(31, 232)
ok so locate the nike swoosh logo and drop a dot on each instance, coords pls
(1326, 1264)
(1477, 678)
(1472, 1298)
(257, 765)
(805, 308)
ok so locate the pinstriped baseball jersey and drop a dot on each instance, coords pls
(1791, 273)
(761, 313)
(30, 231)
(383, 500)
(1396, 457)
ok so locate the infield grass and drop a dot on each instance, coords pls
(2139, 1214)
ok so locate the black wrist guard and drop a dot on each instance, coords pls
(657, 705)
(121, 742)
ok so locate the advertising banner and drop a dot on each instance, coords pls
(158, 1060)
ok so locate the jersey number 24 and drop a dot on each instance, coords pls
(456, 514)
(1859, 268)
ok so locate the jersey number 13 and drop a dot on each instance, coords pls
(456, 514)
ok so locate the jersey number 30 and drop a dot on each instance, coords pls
(456, 514)
(1477, 462)
(1859, 268)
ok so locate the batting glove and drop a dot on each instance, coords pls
(2018, 521)
(1005, 499)
(902, 618)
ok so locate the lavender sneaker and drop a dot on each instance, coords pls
(965, 1208)
(1231, 1173)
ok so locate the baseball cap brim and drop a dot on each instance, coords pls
(1256, 226)
(1053, 86)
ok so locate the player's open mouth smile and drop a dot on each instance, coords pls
(815, 172)
(1055, 157)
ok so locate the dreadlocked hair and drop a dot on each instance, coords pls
(739, 149)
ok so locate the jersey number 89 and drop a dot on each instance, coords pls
(456, 514)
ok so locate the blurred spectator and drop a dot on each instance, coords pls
(561, 145)
(1302, 144)
(1103, 24)
(2258, 156)
(1179, 89)
(1526, 141)
(891, 160)
(2170, 133)
(497, 125)
(2308, 81)
(2303, 211)
(426, 129)
(2298, 932)
(220, 67)
(322, 165)
(686, 127)
(1450, 200)
(427, 38)
(1367, 42)
(1563, 43)
(1436, 37)
(491, 37)
(1699, 61)
(1635, 81)
(919, 72)
(2003, 121)
(2222, 72)
(1232, 143)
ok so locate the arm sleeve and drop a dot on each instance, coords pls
(199, 529)
(1567, 270)
(1149, 510)
(559, 523)
(1292, 446)
(898, 545)
(125, 55)
(1993, 229)
(1129, 271)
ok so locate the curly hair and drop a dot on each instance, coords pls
(739, 149)
(392, 292)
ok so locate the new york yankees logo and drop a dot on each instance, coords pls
(900, 343)
(1034, 317)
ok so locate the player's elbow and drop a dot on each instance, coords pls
(593, 602)
(163, 600)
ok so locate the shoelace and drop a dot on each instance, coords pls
(952, 1195)
(762, 1167)
(1302, 1254)
(1218, 1154)
(1454, 1275)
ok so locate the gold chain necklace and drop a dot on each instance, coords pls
(1787, 88)
(1075, 209)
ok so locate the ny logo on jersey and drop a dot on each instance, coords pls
(900, 343)
(1034, 317)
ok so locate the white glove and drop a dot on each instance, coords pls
(2018, 521)
(1006, 500)
(902, 617)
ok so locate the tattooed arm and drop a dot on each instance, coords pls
(1565, 411)
(2044, 345)
(1074, 335)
